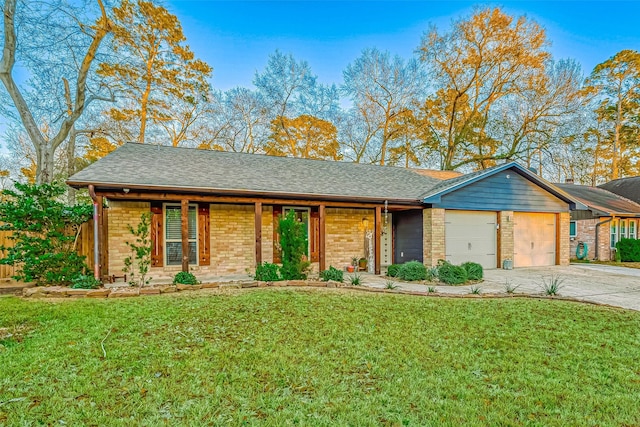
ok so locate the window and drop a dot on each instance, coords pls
(173, 234)
(632, 228)
(623, 228)
(614, 233)
(573, 232)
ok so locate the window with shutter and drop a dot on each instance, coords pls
(173, 234)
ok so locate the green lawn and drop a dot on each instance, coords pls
(294, 357)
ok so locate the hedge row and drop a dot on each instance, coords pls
(628, 250)
(445, 271)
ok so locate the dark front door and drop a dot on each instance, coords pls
(407, 236)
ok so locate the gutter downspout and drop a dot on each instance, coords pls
(96, 255)
(597, 234)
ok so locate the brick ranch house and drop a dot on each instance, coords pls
(221, 209)
(608, 218)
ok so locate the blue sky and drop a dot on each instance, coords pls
(236, 37)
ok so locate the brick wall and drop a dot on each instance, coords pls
(232, 239)
(345, 235)
(433, 236)
(506, 236)
(122, 214)
(563, 232)
(586, 232)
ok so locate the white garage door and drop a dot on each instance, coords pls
(534, 239)
(471, 236)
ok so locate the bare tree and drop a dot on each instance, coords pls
(382, 90)
(482, 60)
(20, 26)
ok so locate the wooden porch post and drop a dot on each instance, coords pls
(184, 204)
(100, 234)
(378, 233)
(258, 232)
(322, 257)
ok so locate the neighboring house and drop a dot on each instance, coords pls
(222, 208)
(609, 217)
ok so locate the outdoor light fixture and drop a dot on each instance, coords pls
(365, 223)
(126, 190)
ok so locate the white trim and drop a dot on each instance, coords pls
(164, 234)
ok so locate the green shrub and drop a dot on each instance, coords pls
(85, 282)
(474, 270)
(332, 274)
(44, 233)
(412, 270)
(393, 269)
(629, 250)
(294, 243)
(185, 278)
(452, 274)
(267, 272)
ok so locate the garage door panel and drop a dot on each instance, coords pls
(534, 239)
(471, 236)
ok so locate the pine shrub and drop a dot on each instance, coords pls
(267, 272)
(185, 278)
(412, 270)
(293, 241)
(332, 274)
(452, 274)
(393, 269)
(474, 270)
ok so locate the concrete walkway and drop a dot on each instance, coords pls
(617, 286)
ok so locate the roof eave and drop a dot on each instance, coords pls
(106, 186)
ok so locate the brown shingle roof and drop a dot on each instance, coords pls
(625, 187)
(601, 201)
(152, 166)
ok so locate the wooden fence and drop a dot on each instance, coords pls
(84, 246)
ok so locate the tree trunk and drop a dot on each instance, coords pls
(45, 166)
(71, 157)
(615, 173)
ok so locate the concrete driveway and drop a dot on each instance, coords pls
(616, 286)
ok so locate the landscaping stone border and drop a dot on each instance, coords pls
(128, 292)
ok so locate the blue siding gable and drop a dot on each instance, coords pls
(504, 191)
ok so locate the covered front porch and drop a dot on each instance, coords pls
(231, 235)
